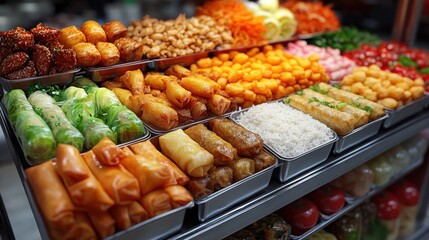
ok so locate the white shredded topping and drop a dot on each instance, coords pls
(284, 129)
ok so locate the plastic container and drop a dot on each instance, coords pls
(349, 226)
(388, 213)
(396, 116)
(356, 183)
(382, 169)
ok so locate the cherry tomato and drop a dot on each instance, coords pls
(388, 206)
(407, 192)
(328, 199)
(301, 214)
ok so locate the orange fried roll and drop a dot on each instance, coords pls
(198, 109)
(93, 32)
(218, 104)
(137, 213)
(156, 202)
(109, 53)
(133, 81)
(71, 36)
(103, 223)
(179, 195)
(81, 229)
(158, 114)
(178, 71)
(242, 168)
(156, 80)
(121, 216)
(107, 152)
(87, 54)
(114, 30)
(177, 94)
(263, 160)
(200, 85)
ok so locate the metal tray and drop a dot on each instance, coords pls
(99, 74)
(358, 135)
(47, 80)
(164, 63)
(397, 115)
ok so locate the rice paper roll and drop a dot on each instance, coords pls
(147, 149)
(150, 173)
(107, 152)
(218, 104)
(104, 99)
(221, 177)
(179, 195)
(120, 184)
(95, 130)
(263, 160)
(222, 151)
(247, 143)
(73, 92)
(156, 202)
(103, 223)
(62, 129)
(15, 102)
(201, 187)
(186, 153)
(85, 83)
(242, 168)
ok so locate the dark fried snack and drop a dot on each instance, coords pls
(44, 34)
(129, 49)
(28, 71)
(4, 52)
(64, 60)
(42, 59)
(17, 39)
(13, 62)
(54, 46)
(114, 30)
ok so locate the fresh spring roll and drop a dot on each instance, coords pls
(149, 150)
(198, 109)
(247, 143)
(107, 152)
(156, 202)
(186, 153)
(201, 187)
(73, 92)
(218, 104)
(200, 85)
(128, 215)
(85, 83)
(242, 168)
(103, 223)
(263, 160)
(375, 110)
(51, 197)
(221, 177)
(121, 185)
(150, 173)
(84, 189)
(222, 151)
(178, 95)
(179, 195)
(62, 129)
(361, 116)
(158, 114)
(15, 102)
(342, 123)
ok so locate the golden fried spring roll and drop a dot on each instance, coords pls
(121, 216)
(109, 53)
(177, 94)
(107, 152)
(133, 81)
(148, 149)
(186, 153)
(353, 99)
(200, 187)
(158, 114)
(86, 193)
(247, 143)
(178, 71)
(342, 123)
(263, 160)
(198, 109)
(222, 151)
(184, 115)
(218, 104)
(156, 202)
(155, 80)
(114, 30)
(361, 116)
(221, 177)
(122, 94)
(93, 32)
(103, 223)
(82, 228)
(200, 86)
(137, 213)
(150, 173)
(242, 168)
(71, 36)
(51, 196)
(179, 195)
(127, 152)
(120, 184)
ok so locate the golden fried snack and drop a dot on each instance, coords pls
(109, 53)
(177, 94)
(122, 94)
(93, 32)
(103, 223)
(87, 54)
(129, 49)
(179, 195)
(128, 215)
(178, 71)
(263, 160)
(114, 30)
(71, 36)
(198, 108)
(221, 177)
(200, 85)
(113, 84)
(156, 202)
(107, 152)
(242, 168)
(156, 80)
(133, 81)
(218, 104)
(201, 187)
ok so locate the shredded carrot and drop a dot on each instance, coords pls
(246, 29)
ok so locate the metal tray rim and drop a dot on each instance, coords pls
(74, 71)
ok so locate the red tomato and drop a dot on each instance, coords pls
(301, 215)
(388, 206)
(328, 199)
(407, 192)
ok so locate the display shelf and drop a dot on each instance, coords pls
(278, 195)
(421, 232)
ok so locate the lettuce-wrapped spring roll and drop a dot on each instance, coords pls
(103, 223)
(186, 153)
(85, 83)
(179, 195)
(156, 202)
(221, 177)
(200, 187)
(242, 168)
(73, 92)
(15, 102)
(104, 99)
(62, 129)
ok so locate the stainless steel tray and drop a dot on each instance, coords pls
(99, 74)
(358, 135)
(47, 80)
(164, 63)
(397, 115)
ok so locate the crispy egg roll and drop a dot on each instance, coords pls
(156, 202)
(109, 53)
(198, 109)
(103, 223)
(200, 86)
(218, 104)
(263, 160)
(178, 95)
(200, 187)
(342, 123)
(137, 213)
(179, 195)
(148, 149)
(114, 30)
(107, 152)
(361, 116)
(81, 229)
(221, 177)
(223, 152)
(127, 152)
(93, 32)
(242, 168)
(86, 193)
(51, 196)
(121, 216)
(155, 80)
(133, 81)
(376, 112)
(150, 173)
(178, 71)
(247, 143)
(159, 115)
(186, 153)
(71, 36)
(120, 184)
(184, 115)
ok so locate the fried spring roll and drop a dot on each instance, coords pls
(93, 32)
(120, 184)
(201, 187)
(247, 143)
(158, 114)
(148, 149)
(133, 81)
(184, 115)
(137, 213)
(84, 189)
(178, 95)
(218, 104)
(198, 109)
(179, 195)
(103, 223)
(361, 116)
(263, 160)
(81, 229)
(121, 216)
(242, 168)
(221, 177)
(156, 202)
(155, 80)
(186, 153)
(342, 123)
(223, 152)
(107, 152)
(200, 86)
(150, 173)
(354, 99)
(178, 71)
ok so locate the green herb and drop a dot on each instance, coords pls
(326, 103)
(336, 85)
(286, 100)
(300, 92)
(407, 62)
(54, 91)
(425, 70)
(365, 108)
(317, 88)
(341, 105)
